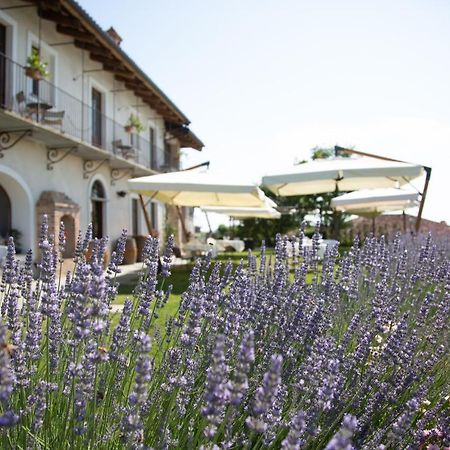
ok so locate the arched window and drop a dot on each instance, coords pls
(98, 199)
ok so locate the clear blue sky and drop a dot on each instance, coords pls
(264, 81)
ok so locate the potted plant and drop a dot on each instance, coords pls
(36, 69)
(134, 124)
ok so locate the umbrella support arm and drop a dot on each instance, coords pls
(183, 225)
(338, 150)
(422, 200)
(207, 220)
(150, 229)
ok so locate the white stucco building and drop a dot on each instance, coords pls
(64, 149)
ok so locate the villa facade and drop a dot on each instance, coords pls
(65, 147)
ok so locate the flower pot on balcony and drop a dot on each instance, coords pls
(33, 73)
(130, 128)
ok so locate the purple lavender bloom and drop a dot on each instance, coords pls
(9, 419)
(403, 423)
(245, 357)
(87, 238)
(147, 287)
(37, 401)
(167, 257)
(342, 440)
(121, 333)
(10, 270)
(265, 396)
(293, 439)
(62, 240)
(7, 378)
(217, 392)
(132, 421)
(117, 254)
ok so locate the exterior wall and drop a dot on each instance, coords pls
(24, 176)
(23, 172)
(68, 63)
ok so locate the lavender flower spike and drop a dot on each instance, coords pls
(342, 439)
(167, 257)
(265, 396)
(8, 419)
(217, 392)
(132, 423)
(10, 271)
(245, 358)
(293, 439)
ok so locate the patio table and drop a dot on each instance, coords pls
(39, 108)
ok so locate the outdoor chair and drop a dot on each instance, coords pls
(54, 118)
(127, 151)
(23, 109)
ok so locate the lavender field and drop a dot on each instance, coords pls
(254, 358)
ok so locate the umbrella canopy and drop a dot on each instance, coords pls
(190, 188)
(372, 202)
(344, 174)
(244, 213)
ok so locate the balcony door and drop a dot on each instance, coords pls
(152, 148)
(2, 65)
(98, 204)
(97, 117)
(5, 216)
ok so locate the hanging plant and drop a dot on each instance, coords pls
(134, 124)
(36, 69)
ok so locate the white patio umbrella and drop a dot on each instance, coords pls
(372, 202)
(343, 174)
(190, 188)
(244, 213)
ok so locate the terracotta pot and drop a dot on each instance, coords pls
(140, 242)
(33, 73)
(130, 255)
(129, 128)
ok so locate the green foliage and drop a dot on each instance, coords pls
(34, 61)
(135, 122)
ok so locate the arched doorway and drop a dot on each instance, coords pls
(98, 199)
(5, 214)
(69, 228)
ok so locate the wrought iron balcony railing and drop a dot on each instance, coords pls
(45, 104)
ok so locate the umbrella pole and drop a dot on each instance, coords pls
(183, 225)
(147, 219)
(373, 225)
(404, 221)
(422, 200)
(207, 221)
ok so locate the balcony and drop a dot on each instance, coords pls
(61, 120)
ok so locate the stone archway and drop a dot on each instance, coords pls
(60, 208)
(20, 221)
